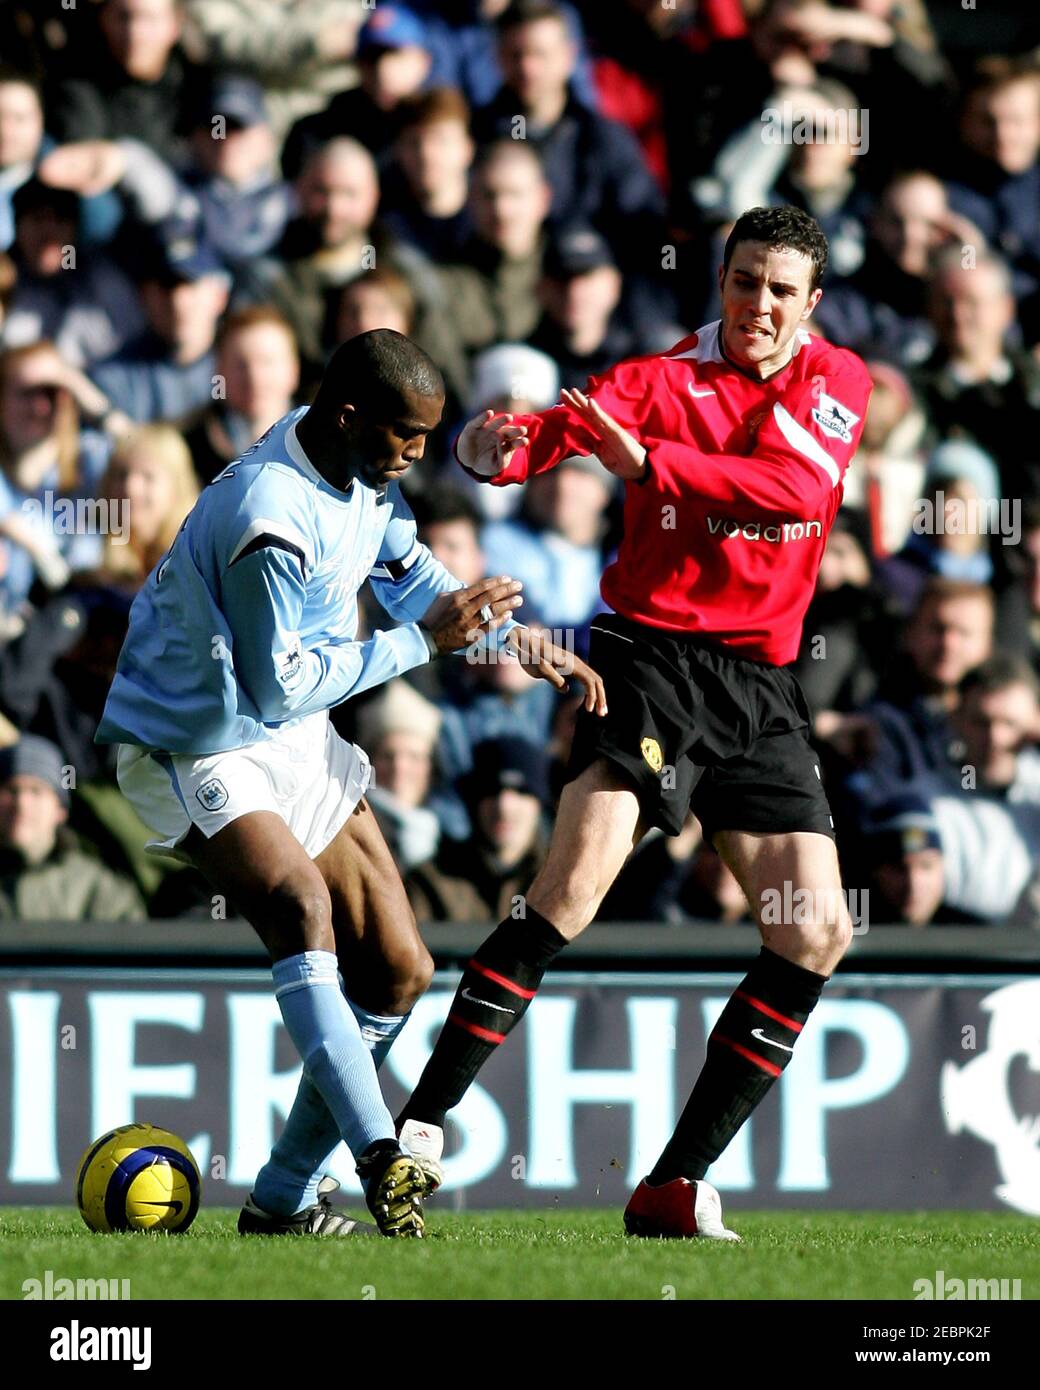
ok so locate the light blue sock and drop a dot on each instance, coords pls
(342, 1074)
(288, 1182)
(378, 1030)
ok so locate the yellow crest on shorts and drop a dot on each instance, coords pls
(651, 751)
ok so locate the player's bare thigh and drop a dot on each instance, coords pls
(381, 954)
(793, 885)
(262, 869)
(597, 824)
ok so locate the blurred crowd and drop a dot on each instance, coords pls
(199, 199)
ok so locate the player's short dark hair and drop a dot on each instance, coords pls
(788, 227)
(529, 12)
(444, 504)
(374, 370)
(998, 672)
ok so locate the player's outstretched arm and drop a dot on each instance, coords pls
(511, 448)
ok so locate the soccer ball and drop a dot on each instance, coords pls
(138, 1178)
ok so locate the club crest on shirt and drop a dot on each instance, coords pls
(834, 418)
(212, 794)
(754, 423)
(652, 755)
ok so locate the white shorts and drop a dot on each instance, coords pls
(306, 774)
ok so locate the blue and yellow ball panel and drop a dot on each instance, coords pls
(138, 1178)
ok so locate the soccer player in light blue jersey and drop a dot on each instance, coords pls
(242, 639)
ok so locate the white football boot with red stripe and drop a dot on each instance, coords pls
(677, 1210)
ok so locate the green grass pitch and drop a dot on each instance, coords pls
(533, 1255)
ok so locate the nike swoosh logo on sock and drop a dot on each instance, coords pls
(486, 1002)
(757, 1033)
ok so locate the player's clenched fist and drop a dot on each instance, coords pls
(454, 620)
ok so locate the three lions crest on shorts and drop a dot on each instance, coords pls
(212, 794)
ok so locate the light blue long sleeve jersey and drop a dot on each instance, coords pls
(250, 620)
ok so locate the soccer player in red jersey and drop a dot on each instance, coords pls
(733, 447)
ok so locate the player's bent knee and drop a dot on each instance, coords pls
(298, 918)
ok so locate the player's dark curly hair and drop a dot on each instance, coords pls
(787, 227)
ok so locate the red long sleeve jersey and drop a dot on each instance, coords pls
(725, 532)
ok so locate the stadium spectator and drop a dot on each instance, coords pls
(48, 465)
(487, 700)
(906, 731)
(21, 139)
(998, 719)
(259, 369)
(989, 821)
(480, 879)
(394, 60)
(335, 239)
(594, 166)
(380, 298)
(151, 485)
(464, 38)
(425, 199)
(556, 546)
(243, 206)
(995, 174)
(1018, 603)
(886, 476)
(167, 371)
(883, 307)
(903, 864)
(644, 62)
(449, 523)
(44, 874)
(581, 327)
(84, 302)
(137, 83)
(301, 50)
(976, 385)
(821, 174)
(955, 518)
(493, 288)
(398, 730)
(227, 189)
(847, 631)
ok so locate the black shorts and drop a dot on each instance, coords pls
(699, 729)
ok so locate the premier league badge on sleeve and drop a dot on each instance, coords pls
(835, 419)
(212, 794)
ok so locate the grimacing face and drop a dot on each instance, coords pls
(766, 297)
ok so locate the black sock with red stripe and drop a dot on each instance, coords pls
(748, 1048)
(496, 988)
